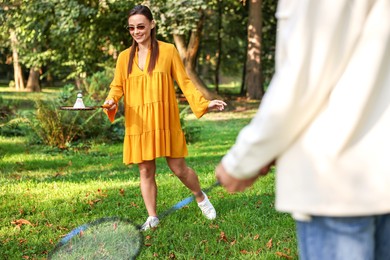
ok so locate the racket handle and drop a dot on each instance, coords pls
(73, 233)
(185, 201)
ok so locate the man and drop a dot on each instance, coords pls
(325, 120)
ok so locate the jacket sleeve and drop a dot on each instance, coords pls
(198, 103)
(315, 42)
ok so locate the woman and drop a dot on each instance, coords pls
(144, 76)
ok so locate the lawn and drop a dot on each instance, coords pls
(45, 193)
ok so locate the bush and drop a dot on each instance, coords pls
(17, 126)
(55, 127)
(59, 128)
(98, 85)
(10, 124)
(191, 132)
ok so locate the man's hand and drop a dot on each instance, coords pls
(232, 184)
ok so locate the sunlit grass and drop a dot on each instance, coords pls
(45, 193)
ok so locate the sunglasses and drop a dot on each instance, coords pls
(132, 28)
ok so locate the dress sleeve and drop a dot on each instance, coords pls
(194, 97)
(117, 85)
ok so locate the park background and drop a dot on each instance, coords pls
(59, 169)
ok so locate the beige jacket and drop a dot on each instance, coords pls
(326, 114)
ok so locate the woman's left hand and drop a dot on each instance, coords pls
(217, 104)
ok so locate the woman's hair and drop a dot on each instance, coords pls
(145, 11)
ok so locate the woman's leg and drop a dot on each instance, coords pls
(189, 178)
(186, 175)
(147, 170)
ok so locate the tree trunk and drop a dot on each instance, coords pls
(188, 54)
(219, 47)
(254, 77)
(33, 80)
(18, 72)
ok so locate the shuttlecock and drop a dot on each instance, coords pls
(79, 101)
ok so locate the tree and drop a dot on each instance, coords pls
(18, 72)
(254, 78)
(184, 20)
(72, 39)
(8, 38)
(223, 45)
(218, 53)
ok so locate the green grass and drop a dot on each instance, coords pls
(55, 192)
(25, 100)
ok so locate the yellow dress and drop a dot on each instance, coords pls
(152, 121)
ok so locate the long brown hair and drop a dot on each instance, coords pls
(145, 11)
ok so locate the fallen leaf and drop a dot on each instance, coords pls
(280, 254)
(93, 202)
(256, 237)
(243, 252)
(122, 192)
(101, 193)
(269, 244)
(21, 222)
(222, 237)
(133, 204)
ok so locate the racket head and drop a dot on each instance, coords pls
(77, 108)
(105, 238)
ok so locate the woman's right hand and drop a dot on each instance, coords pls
(111, 104)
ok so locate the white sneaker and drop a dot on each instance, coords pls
(151, 222)
(207, 208)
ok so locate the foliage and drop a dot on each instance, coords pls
(62, 129)
(191, 132)
(233, 33)
(15, 127)
(69, 37)
(8, 125)
(5, 110)
(73, 39)
(54, 127)
(268, 41)
(177, 17)
(97, 86)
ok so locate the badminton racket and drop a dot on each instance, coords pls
(108, 238)
(84, 108)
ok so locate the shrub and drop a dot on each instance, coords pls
(59, 128)
(97, 86)
(10, 124)
(53, 126)
(17, 126)
(191, 132)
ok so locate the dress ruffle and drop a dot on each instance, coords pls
(154, 144)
